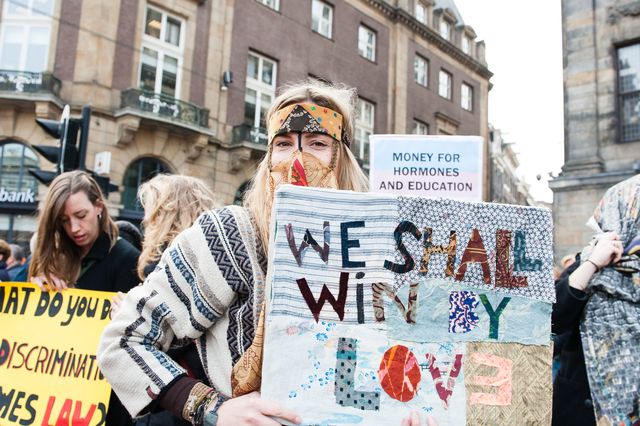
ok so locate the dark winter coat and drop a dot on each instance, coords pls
(572, 403)
(114, 269)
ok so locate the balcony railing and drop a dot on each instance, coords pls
(248, 133)
(165, 106)
(29, 82)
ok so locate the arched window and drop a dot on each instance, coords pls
(18, 190)
(237, 200)
(15, 161)
(136, 174)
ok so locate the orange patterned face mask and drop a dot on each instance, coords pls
(303, 169)
(306, 118)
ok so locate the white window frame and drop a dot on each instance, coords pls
(366, 44)
(421, 13)
(447, 93)
(260, 86)
(28, 21)
(420, 127)
(466, 44)
(271, 4)
(445, 24)
(466, 99)
(363, 128)
(315, 4)
(163, 48)
(424, 72)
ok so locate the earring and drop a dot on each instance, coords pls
(99, 216)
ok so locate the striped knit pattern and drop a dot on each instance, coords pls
(204, 289)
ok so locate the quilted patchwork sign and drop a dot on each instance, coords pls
(381, 304)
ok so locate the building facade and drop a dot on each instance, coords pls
(182, 86)
(601, 113)
(505, 185)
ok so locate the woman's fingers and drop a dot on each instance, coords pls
(58, 283)
(40, 282)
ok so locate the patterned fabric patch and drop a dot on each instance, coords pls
(522, 397)
(519, 320)
(462, 315)
(478, 224)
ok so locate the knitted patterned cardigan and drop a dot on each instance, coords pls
(208, 286)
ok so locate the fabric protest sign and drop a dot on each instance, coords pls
(48, 369)
(380, 304)
(427, 166)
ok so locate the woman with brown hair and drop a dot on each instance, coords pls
(210, 282)
(78, 246)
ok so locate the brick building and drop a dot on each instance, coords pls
(182, 86)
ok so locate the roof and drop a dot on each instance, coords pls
(451, 5)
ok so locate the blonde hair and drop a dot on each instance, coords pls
(55, 253)
(258, 198)
(171, 203)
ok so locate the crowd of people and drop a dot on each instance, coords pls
(181, 356)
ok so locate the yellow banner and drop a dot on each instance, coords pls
(48, 342)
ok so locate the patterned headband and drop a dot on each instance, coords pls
(306, 118)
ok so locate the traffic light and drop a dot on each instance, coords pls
(105, 186)
(69, 154)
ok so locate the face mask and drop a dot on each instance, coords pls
(303, 169)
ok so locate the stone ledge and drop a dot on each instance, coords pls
(595, 181)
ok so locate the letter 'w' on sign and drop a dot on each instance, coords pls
(325, 296)
(307, 241)
(501, 381)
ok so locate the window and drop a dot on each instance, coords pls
(364, 128)
(321, 18)
(260, 90)
(629, 92)
(466, 97)
(15, 161)
(420, 128)
(26, 31)
(161, 57)
(367, 43)
(273, 4)
(136, 174)
(444, 86)
(466, 44)
(421, 12)
(421, 70)
(445, 29)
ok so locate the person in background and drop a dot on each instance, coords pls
(78, 246)
(23, 273)
(209, 284)
(5, 254)
(130, 232)
(605, 273)
(171, 204)
(15, 261)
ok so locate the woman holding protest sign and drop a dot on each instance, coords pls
(210, 282)
(78, 246)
